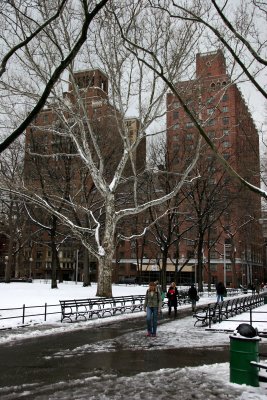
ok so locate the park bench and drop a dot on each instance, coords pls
(260, 365)
(216, 312)
(183, 298)
(201, 316)
(73, 310)
(226, 309)
(233, 292)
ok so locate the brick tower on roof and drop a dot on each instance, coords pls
(210, 64)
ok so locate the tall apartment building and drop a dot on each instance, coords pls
(234, 244)
(64, 174)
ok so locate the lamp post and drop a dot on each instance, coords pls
(7, 272)
(77, 264)
(180, 269)
(30, 260)
(243, 279)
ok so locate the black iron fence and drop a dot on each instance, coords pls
(22, 313)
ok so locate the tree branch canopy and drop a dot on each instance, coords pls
(88, 18)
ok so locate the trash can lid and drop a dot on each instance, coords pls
(247, 330)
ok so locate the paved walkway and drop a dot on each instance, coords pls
(56, 366)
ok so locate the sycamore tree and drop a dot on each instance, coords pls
(144, 47)
(102, 142)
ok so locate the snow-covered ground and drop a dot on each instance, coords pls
(203, 382)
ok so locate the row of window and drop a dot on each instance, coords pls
(210, 111)
(210, 100)
(210, 122)
(211, 135)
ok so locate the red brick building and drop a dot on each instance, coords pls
(232, 248)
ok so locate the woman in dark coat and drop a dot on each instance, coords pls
(172, 298)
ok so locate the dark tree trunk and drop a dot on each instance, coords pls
(55, 261)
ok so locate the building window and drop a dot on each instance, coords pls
(212, 181)
(226, 156)
(225, 109)
(211, 122)
(176, 104)
(210, 111)
(189, 136)
(226, 144)
(189, 146)
(211, 134)
(225, 97)
(38, 265)
(225, 120)
(175, 114)
(189, 124)
(225, 132)
(175, 126)
(211, 169)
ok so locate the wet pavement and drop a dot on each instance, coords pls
(45, 361)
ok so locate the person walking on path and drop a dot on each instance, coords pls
(152, 307)
(221, 290)
(193, 296)
(172, 298)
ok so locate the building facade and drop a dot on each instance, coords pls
(231, 235)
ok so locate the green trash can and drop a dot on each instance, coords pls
(242, 351)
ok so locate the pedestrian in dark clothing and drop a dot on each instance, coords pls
(193, 296)
(253, 288)
(221, 290)
(172, 298)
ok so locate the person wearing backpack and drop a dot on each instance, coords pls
(152, 307)
(172, 298)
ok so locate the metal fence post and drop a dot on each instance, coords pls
(23, 313)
